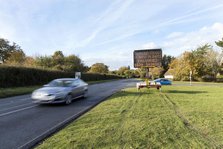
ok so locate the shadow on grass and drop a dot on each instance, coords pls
(124, 93)
(185, 92)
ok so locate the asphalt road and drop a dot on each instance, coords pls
(23, 123)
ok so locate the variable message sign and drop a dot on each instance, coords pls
(148, 58)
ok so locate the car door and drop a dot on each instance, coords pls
(165, 82)
(76, 89)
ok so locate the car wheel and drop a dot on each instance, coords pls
(85, 94)
(68, 99)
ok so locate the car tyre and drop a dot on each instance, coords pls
(68, 99)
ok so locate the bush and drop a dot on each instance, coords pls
(219, 78)
(21, 76)
(207, 78)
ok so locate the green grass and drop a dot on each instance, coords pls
(101, 81)
(196, 83)
(202, 108)
(8, 92)
(177, 117)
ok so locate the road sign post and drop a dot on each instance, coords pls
(190, 77)
(147, 58)
(78, 75)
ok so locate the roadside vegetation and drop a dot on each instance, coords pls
(177, 117)
(197, 83)
(8, 92)
(14, 91)
(204, 62)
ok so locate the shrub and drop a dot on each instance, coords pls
(219, 78)
(21, 76)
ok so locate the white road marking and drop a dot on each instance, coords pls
(18, 110)
(14, 101)
(15, 106)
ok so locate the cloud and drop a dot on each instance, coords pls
(109, 30)
(193, 13)
(112, 14)
(173, 44)
(191, 40)
(191, 16)
(174, 35)
(150, 45)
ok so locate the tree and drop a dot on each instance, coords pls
(99, 68)
(180, 67)
(44, 62)
(136, 73)
(129, 73)
(6, 49)
(74, 63)
(29, 61)
(122, 69)
(114, 72)
(213, 64)
(58, 60)
(141, 72)
(17, 57)
(156, 72)
(166, 60)
(219, 43)
(200, 59)
(203, 62)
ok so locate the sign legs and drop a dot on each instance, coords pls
(147, 76)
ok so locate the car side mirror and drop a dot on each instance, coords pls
(46, 85)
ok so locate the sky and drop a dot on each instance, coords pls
(108, 31)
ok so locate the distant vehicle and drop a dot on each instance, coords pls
(62, 90)
(163, 81)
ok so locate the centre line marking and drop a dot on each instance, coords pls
(15, 106)
(7, 113)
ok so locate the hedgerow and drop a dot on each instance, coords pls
(11, 76)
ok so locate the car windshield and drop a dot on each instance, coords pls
(61, 83)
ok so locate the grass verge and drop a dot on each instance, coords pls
(101, 81)
(177, 117)
(8, 92)
(197, 83)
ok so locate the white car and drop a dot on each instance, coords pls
(62, 90)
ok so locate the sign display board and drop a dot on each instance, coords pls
(148, 58)
(77, 74)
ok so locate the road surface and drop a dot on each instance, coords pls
(23, 123)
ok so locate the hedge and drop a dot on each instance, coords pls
(11, 76)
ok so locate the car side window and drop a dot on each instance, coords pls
(81, 82)
(75, 83)
(67, 83)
